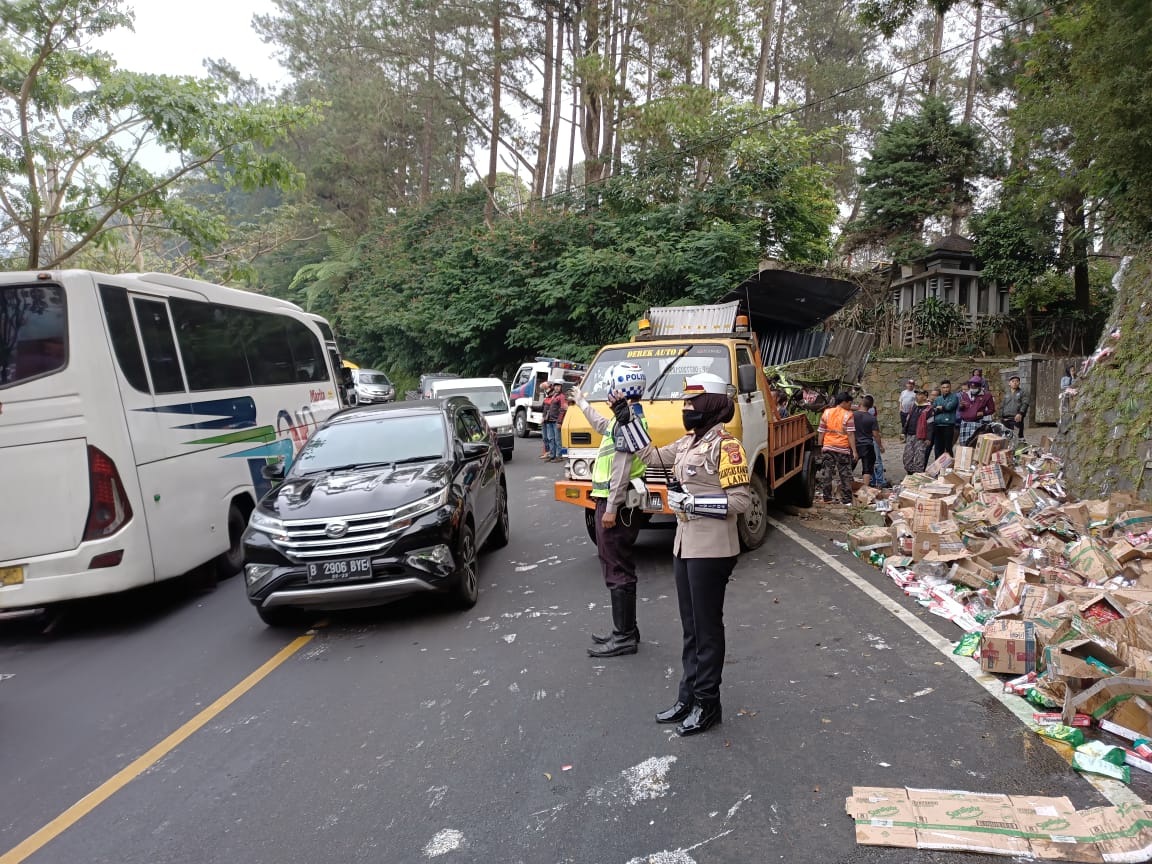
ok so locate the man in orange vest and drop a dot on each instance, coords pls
(837, 439)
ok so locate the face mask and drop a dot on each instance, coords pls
(693, 420)
(973, 392)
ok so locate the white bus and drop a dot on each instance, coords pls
(136, 412)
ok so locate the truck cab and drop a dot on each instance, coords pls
(527, 390)
(674, 343)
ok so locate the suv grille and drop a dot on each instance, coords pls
(367, 534)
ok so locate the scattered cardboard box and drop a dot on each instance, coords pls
(1008, 647)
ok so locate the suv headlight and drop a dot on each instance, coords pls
(268, 525)
(424, 505)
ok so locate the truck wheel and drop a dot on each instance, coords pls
(231, 561)
(590, 524)
(521, 423)
(800, 490)
(753, 525)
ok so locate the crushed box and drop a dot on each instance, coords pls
(1008, 647)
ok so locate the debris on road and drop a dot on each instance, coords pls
(1048, 829)
(1054, 592)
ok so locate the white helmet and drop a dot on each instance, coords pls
(627, 378)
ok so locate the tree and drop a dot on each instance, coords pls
(77, 131)
(921, 167)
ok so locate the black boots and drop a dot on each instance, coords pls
(625, 638)
(676, 713)
(702, 717)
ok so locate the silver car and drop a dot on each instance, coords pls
(372, 386)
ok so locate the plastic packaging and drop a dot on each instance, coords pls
(968, 645)
(1142, 747)
(1100, 750)
(1037, 698)
(1061, 733)
(1093, 765)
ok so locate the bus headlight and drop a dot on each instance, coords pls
(580, 469)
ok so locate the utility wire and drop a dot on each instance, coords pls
(688, 151)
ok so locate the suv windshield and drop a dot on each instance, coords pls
(684, 360)
(372, 442)
(490, 400)
(368, 377)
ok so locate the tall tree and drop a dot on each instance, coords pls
(75, 127)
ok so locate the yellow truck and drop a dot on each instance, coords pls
(675, 342)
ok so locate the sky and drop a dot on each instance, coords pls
(175, 38)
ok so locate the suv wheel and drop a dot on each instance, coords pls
(465, 587)
(282, 616)
(498, 539)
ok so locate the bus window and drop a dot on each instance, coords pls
(122, 331)
(269, 355)
(213, 352)
(159, 346)
(33, 332)
(306, 352)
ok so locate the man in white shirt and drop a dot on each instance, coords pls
(907, 400)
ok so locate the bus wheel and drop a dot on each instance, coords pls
(231, 561)
(753, 525)
(521, 423)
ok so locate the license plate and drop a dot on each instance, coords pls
(11, 575)
(340, 571)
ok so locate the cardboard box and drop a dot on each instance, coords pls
(1105, 698)
(965, 458)
(1134, 522)
(1034, 599)
(1025, 826)
(1088, 556)
(1077, 514)
(927, 513)
(870, 539)
(967, 571)
(1008, 647)
(992, 477)
(942, 463)
(937, 547)
(986, 445)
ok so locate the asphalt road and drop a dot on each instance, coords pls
(414, 733)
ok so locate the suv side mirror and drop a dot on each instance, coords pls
(475, 450)
(746, 378)
(273, 471)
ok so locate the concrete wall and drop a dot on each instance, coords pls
(1105, 437)
(884, 379)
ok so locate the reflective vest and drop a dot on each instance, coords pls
(602, 467)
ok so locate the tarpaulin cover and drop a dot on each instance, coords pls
(785, 297)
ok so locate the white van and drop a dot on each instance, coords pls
(491, 397)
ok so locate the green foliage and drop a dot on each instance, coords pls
(935, 319)
(921, 167)
(74, 126)
(432, 287)
(1015, 241)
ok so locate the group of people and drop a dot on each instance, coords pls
(935, 420)
(708, 490)
(932, 421)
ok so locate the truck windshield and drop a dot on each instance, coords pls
(685, 360)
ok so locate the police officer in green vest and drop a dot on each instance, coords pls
(616, 524)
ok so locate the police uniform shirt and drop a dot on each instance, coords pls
(716, 464)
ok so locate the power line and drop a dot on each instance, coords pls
(688, 151)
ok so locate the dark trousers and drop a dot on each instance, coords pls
(700, 586)
(614, 546)
(837, 468)
(942, 439)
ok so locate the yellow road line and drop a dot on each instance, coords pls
(126, 775)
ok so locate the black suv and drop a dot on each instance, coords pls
(382, 502)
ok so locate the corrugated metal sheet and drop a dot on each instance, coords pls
(783, 345)
(853, 347)
(693, 320)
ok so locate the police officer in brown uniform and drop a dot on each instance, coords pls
(711, 475)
